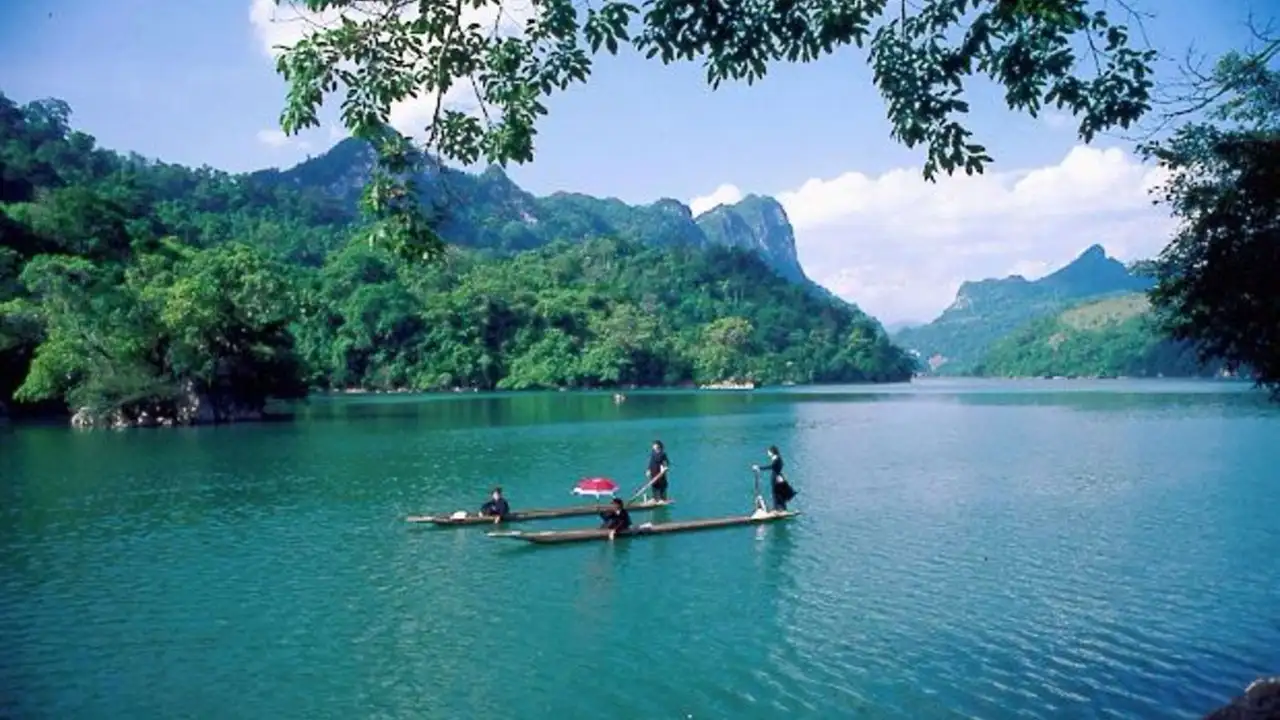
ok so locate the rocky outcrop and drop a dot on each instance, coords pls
(488, 210)
(1260, 701)
(985, 311)
(196, 408)
(1091, 274)
(759, 224)
(191, 407)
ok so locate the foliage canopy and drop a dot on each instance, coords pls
(375, 53)
(1218, 281)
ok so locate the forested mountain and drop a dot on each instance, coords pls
(597, 313)
(987, 310)
(489, 211)
(137, 292)
(1114, 337)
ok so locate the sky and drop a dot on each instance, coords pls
(194, 82)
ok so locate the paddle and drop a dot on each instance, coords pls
(643, 488)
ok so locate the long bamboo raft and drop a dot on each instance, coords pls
(556, 537)
(528, 515)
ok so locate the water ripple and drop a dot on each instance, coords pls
(1038, 556)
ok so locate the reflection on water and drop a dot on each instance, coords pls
(990, 550)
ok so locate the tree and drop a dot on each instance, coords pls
(180, 322)
(1218, 281)
(379, 52)
(101, 346)
(225, 313)
(623, 347)
(142, 293)
(725, 344)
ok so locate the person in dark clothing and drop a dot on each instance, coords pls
(782, 490)
(656, 474)
(616, 518)
(497, 507)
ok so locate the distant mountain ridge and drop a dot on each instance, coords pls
(490, 211)
(1116, 336)
(984, 311)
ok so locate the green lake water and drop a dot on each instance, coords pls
(967, 549)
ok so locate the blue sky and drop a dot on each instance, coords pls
(191, 82)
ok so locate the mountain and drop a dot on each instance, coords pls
(758, 224)
(987, 310)
(135, 292)
(900, 325)
(489, 211)
(1114, 337)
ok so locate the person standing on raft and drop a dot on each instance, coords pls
(782, 490)
(656, 474)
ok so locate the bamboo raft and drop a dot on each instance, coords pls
(556, 537)
(529, 515)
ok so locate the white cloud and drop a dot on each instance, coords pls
(900, 246)
(275, 138)
(284, 24)
(723, 195)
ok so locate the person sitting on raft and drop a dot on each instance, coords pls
(782, 490)
(616, 518)
(497, 507)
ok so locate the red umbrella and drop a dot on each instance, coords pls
(595, 486)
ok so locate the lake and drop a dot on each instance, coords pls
(981, 549)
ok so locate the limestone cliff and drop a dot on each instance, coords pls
(984, 311)
(759, 224)
(490, 211)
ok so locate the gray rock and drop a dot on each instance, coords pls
(1260, 701)
(759, 224)
(196, 408)
(192, 407)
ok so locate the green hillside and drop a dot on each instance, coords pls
(1114, 337)
(488, 211)
(142, 292)
(988, 310)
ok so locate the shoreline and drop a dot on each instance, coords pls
(1087, 378)
(279, 410)
(75, 419)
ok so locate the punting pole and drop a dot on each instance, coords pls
(642, 489)
(760, 506)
